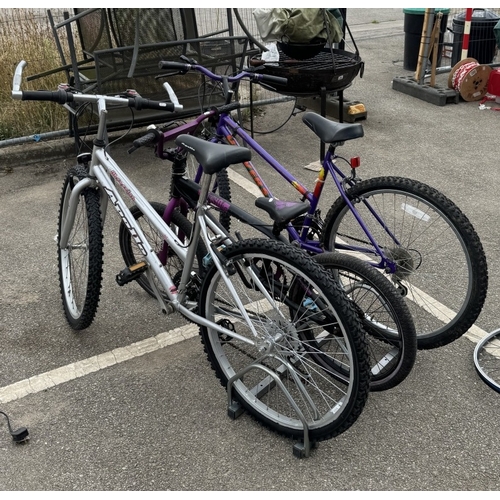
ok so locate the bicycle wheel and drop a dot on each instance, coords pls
(440, 262)
(80, 262)
(174, 265)
(280, 365)
(392, 340)
(487, 359)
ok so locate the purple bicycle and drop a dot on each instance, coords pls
(416, 236)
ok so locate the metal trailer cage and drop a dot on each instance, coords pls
(112, 50)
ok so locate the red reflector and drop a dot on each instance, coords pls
(355, 161)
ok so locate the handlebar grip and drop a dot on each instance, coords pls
(59, 96)
(274, 79)
(145, 139)
(141, 103)
(183, 67)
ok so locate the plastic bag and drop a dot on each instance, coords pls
(272, 56)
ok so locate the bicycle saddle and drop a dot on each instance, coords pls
(211, 156)
(282, 212)
(329, 131)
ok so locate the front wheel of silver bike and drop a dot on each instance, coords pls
(300, 354)
(80, 261)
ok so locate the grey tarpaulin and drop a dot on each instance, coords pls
(298, 25)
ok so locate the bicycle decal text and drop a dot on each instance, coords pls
(125, 188)
(218, 202)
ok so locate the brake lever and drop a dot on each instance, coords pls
(173, 97)
(188, 60)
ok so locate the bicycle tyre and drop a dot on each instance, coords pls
(223, 189)
(80, 263)
(392, 339)
(283, 340)
(487, 359)
(447, 242)
(131, 253)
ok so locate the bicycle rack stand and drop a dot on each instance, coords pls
(300, 450)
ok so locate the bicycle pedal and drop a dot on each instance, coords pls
(131, 273)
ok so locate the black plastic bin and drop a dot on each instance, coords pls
(413, 26)
(482, 42)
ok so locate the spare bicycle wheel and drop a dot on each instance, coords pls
(487, 359)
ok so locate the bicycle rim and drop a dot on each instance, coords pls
(329, 398)
(80, 263)
(487, 359)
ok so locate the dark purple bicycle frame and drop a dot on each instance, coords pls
(228, 129)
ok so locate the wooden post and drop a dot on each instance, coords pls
(424, 44)
(436, 31)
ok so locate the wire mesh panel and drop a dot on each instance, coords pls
(121, 49)
(93, 31)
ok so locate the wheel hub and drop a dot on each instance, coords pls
(405, 263)
(279, 336)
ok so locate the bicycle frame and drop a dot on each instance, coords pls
(228, 129)
(104, 173)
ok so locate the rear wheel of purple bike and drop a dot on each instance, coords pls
(440, 264)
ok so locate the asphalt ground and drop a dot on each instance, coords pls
(131, 403)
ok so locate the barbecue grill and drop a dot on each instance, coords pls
(331, 70)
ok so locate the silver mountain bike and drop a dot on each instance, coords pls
(280, 333)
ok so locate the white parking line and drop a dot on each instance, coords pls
(72, 371)
(244, 183)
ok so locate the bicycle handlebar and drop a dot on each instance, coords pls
(145, 139)
(185, 67)
(59, 96)
(63, 96)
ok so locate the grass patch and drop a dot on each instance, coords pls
(24, 35)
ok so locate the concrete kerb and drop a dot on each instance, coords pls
(31, 153)
(36, 152)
